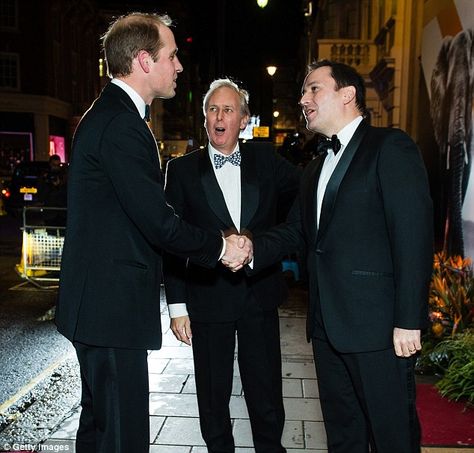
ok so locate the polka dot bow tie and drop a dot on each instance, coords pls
(220, 160)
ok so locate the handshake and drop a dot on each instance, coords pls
(238, 251)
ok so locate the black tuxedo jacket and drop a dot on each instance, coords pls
(118, 224)
(218, 295)
(370, 260)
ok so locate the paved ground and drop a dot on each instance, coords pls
(30, 345)
(173, 408)
(53, 402)
(47, 407)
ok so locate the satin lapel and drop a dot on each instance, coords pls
(336, 178)
(308, 191)
(249, 185)
(213, 192)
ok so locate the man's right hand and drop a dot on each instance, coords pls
(181, 327)
(238, 253)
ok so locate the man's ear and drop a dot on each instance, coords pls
(244, 121)
(143, 59)
(348, 94)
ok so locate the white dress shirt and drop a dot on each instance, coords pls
(331, 161)
(228, 177)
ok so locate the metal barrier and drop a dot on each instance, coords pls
(43, 239)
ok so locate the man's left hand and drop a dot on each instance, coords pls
(406, 342)
(181, 327)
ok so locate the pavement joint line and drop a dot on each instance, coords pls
(33, 383)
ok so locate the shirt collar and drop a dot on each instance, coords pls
(346, 133)
(213, 150)
(136, 98)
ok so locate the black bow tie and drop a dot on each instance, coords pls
(329, 143)
(147, 113)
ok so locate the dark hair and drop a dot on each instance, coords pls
(344, 76)
(127, 36)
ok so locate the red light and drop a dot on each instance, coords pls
(189, 39)
(6, 193)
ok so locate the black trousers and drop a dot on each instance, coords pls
(115, 409)
(259, 359)
(367, 399)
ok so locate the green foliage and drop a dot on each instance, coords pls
(458, 379)
(451, 305)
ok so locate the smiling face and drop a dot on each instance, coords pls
(224, 119)
(322, 104)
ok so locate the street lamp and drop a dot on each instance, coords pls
(271, 70)
(262, 3)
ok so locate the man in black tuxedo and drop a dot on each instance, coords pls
(118, 224)
(364, 215)
(230, 186)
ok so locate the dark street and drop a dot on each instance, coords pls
(30, 346)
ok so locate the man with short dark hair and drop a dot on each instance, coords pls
(118, 224)
(364, 217)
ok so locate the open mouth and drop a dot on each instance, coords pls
(219, 130)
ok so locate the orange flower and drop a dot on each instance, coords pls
(437, 328)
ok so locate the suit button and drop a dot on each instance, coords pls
(319, 252)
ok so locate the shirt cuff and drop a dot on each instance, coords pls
(224, 245)
(250, 264)
(177, 310)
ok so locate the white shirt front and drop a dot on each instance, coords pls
(228, 177)
(331, 161)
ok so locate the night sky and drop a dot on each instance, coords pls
(244, 37)
(231, 37)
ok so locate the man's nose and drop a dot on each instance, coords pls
(177, 64)
(303, 100)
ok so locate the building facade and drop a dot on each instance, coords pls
(416, 57)
(48, 75)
